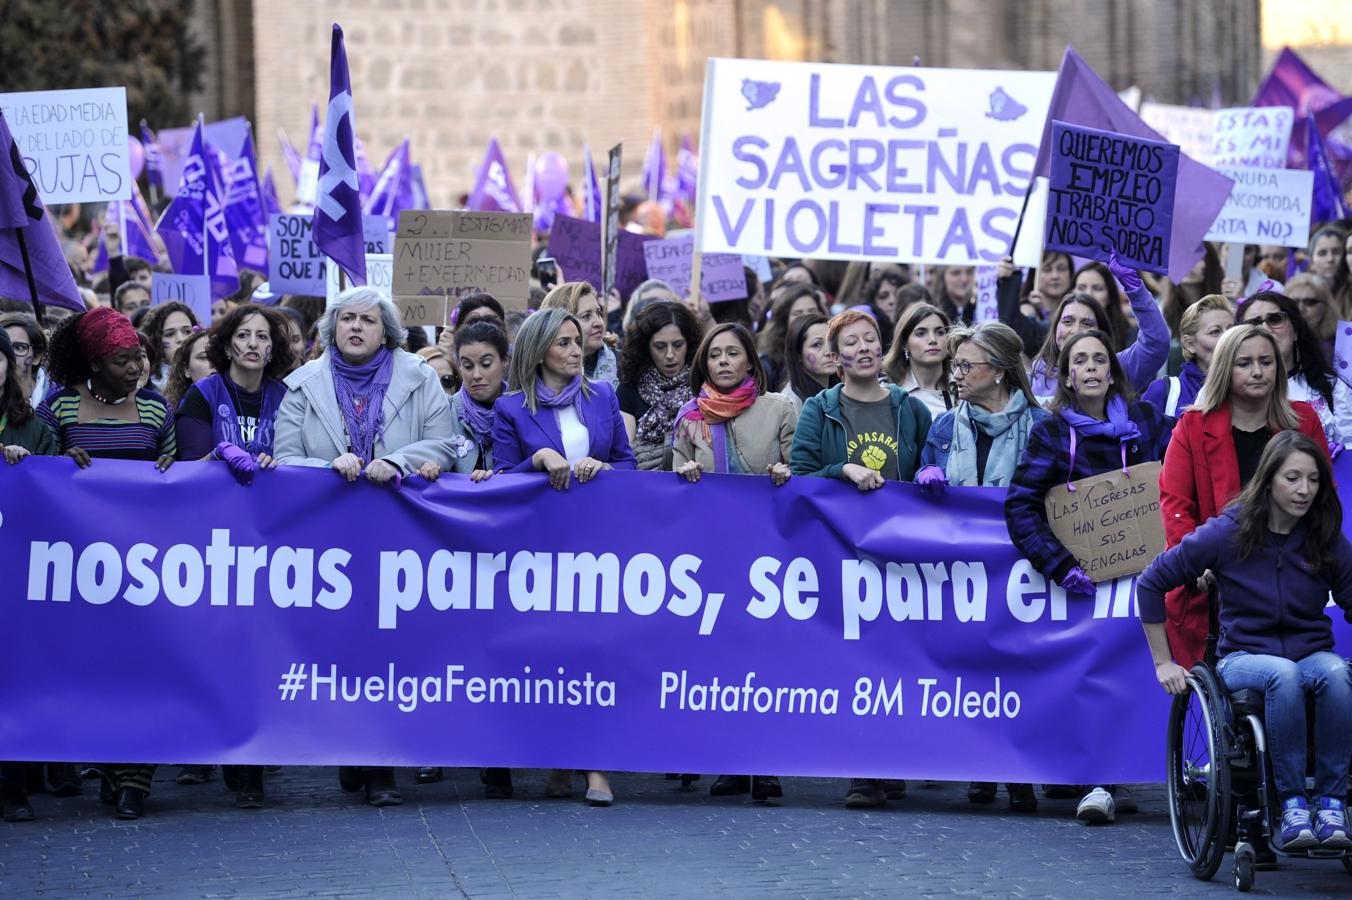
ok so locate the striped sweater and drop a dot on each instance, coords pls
(148, 438)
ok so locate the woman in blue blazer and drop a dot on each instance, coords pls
(554, 420)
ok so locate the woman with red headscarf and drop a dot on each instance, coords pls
(103, 414)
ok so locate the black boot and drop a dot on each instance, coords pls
(351, 778)
(63, 780)
(865, 793)
(498, 784)
(380, 787)
(130, 803)
(249, 794)
(429, 774)
(730, 785)
(14, 805)
(894, 788)
(1022, 797)
(194, 775)
(765, 787)
(981, 792)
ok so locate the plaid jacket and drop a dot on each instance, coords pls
(1046, 463)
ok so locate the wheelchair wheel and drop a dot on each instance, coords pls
(1199, 774)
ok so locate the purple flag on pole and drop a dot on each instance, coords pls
(687, 172)
(22, 213)
(154, 176)
(289, 154)
(394, 189)
(135, 235)
(1291, 82)
(337, 218)
(1327, 203)
(493, 189)
(420, 198)
(271, 205)
(591, 188)
(1082, 98)
(193, 227)
(366, 176)
(315, 148)
(654, 170)
(244, 212)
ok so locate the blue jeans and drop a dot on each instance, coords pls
(1284, 684)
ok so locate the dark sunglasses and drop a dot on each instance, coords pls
(1308, 302)
(1271, 320)
(447, 381)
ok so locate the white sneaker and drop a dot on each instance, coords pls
(1097, 808)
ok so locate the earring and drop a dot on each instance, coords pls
(997, 379)
(908, 354)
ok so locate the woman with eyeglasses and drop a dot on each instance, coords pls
(30, 355)
(444, 365)
(1317, 308)
(1309, 376)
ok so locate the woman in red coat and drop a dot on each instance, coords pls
(1214, 452)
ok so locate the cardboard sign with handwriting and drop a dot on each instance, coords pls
(1110, 522)
(441, 255)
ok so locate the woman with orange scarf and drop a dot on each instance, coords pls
(733, 426)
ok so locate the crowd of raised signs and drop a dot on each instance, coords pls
(861, 372)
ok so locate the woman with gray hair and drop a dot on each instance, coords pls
(365, 405)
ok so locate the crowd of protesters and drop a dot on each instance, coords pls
(862, 372)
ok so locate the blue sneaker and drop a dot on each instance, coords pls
(1331, 824)
(1297, 830)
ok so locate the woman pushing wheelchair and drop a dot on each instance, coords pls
(1276, 554)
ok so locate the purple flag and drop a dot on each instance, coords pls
(244, 213)
(271, 205)
(1327, 202)
(23, 215)
(366, 176)
(1291, 82)
(337, 218)
(394, 189)
(289, 154)
(193, 227)
(687, 172)
(654, 171)
(154, 175)
(1082, 98)
(420, 198)
(135, 235)
(493, 189)
(591, 188)
(315, 148)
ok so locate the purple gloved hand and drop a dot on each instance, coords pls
(1335, 449)
(241, 462)
(1076, 582)
(932, 478)
(1130, 281)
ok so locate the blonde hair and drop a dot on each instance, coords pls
(1328, 328)
(1192, 319)
(1215, 391)
(568, 296)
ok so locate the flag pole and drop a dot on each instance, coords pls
(28, 273)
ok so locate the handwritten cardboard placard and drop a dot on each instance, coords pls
(1254, 136)
(194, 290)
(721, 277)
(441, 255)
(1111, 522)
(73, 143)
(379, 275)
(1266, 206)
(575, 244)
(296, 265)
(1111, 192)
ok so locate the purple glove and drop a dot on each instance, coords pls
(241, 462)
(1130, 281)
(1335, 449)
(1076, 582)
(931, 478)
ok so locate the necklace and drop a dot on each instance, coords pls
(89, 386)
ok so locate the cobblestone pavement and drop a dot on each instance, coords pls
(312, 840)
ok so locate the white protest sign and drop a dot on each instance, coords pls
(1266, 206)
(194, 290)
(987, 301)
(866, 162)
(1193, 129)
(1254, 136)
(73, 143)
(379, 275)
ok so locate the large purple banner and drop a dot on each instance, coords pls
(637, 622)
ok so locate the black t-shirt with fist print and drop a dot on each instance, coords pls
(871, 436)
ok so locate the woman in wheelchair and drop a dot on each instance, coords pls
(1276, 554)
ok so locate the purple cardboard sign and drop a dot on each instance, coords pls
(194, 290)
(721, 274)
(575, 244)
(1111, 192)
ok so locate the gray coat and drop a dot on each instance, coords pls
(465, 449)
(417, 430)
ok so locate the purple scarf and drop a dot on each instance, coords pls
(566, 397)
(1119, 426)
(361, 397)
(478, 420)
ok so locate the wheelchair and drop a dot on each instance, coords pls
(1220, 779)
